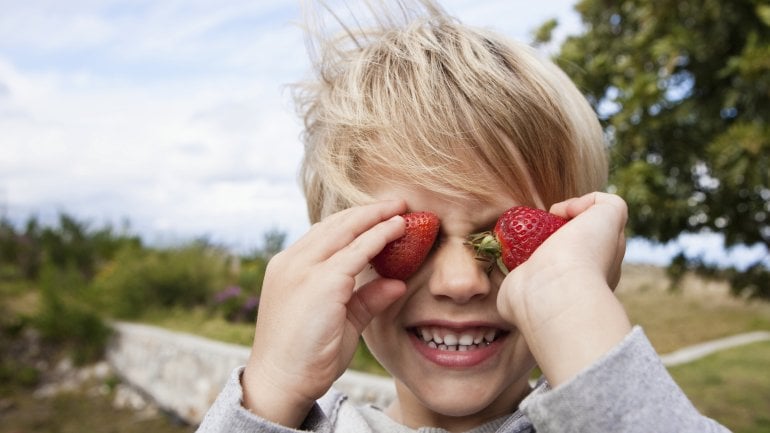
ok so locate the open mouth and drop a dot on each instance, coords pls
(457, 341)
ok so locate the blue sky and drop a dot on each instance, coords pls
(173, 114)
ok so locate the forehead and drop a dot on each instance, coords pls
(471, 183)
(456, 210)
(483, 168)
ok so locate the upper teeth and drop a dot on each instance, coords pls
(449, 340)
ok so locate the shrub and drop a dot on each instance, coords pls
(66, 320)
(235, 305)
(252, 273)
(140, 279)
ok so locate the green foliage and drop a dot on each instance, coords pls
(139, 279)
(79, 411)
(252, 273)
(69, 244)
(363, 360)
(272, 243)
(544, 33)
(239, 302)
(65, 319)
(13, 372)
(754, 282)
(683, 90)
(20, 251)
(84, 275)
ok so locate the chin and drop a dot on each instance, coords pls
(458, 409)
(464, 400)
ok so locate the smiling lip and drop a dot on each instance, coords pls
(457, 346)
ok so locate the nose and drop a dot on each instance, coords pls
(457, 274)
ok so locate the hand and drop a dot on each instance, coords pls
(561, 298)
(603, 222)
(311, 315)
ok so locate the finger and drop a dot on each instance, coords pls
(611, 211)
(372, 299)
(575, 206)
(560, 208)
(352, 258)
(615, 211)
(338, 230)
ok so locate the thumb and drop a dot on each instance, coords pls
(372, 299)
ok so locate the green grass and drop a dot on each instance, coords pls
(200, 322)
(731, 386)
(76, 412)
(675, 320)
(671, 319)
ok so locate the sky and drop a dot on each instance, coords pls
(173, 117)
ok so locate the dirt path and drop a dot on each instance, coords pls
(697, 351)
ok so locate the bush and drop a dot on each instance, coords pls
(65, 319)
(140, 279)
(236, 305)
(252, 273)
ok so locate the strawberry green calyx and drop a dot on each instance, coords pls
(517, 234)
(488, 249)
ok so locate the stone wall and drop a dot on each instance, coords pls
(184, 373)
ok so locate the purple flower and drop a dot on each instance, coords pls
(251, 303)
(228, 293)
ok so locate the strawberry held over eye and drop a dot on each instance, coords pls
(517, 234)
(402, 257)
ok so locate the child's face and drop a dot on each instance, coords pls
(452, 296)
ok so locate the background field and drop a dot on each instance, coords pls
(731, 386)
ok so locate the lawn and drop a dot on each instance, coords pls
(732, 386)
(77, 412)
(698, 310)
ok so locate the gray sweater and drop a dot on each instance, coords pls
(627, 390)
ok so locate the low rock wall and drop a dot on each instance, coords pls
(183, 373)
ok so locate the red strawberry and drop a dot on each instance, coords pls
(402, 257)
(518, 232)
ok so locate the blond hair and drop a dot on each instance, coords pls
(419, 99)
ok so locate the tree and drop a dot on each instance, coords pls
(683, 90)
(273, 243)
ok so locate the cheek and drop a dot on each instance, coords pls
(385, 337)
(376, 341)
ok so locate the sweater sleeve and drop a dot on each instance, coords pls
(227, 414)
(628, 390)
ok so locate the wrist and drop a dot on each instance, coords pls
(568, 318)
(276, 403)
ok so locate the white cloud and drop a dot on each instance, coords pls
(33, 24)
(172, 114)
(515, 18)
(198, 151)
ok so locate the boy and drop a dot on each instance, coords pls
(422, 113)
